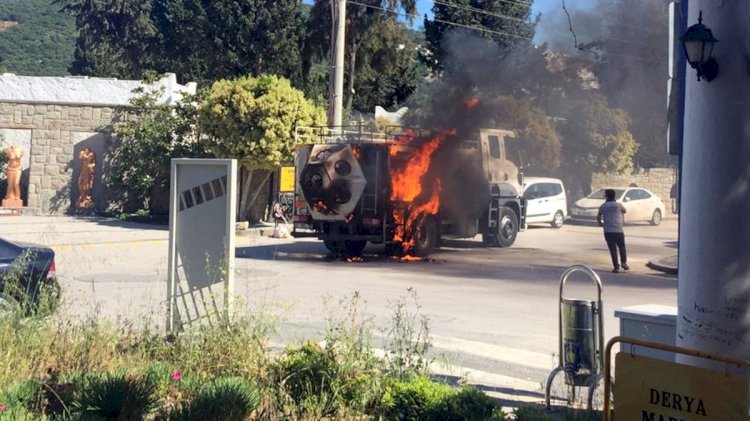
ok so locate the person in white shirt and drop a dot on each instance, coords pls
(611, 217)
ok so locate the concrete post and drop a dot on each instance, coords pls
(338, 77)
(714, 262)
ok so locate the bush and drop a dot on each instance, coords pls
(469, 404)
(116, 396)
(226, 398)
(421, 398)
(18, 400)
(308, 376)
(531, 413)
(414, 399)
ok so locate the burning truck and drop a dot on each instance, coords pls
(405, 188)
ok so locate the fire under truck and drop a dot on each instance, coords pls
(345, 189)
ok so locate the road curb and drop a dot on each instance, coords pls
(664, 264)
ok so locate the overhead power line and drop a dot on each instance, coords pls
(411, 15)
(570, 25)
(481, 11)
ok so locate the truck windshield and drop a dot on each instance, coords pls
(599, 194)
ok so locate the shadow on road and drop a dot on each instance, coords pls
(458, 259)
(157, 225)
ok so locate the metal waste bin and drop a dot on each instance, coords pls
(580, 336)
(581, 346)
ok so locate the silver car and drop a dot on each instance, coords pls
(641, 205)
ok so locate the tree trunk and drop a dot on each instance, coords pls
(350, 88)
(258, 189)
(247, 180)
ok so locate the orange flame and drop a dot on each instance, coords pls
(357, 152)
(471, 103)
(407, 189)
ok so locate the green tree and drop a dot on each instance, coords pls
(597, 138)
(208, 40)
(148, 135)
(361, 24)
(199, 40)
(631, 69)
(626, 45)
(253, 120)
(505, 23)
(114, 37)
(389, 68)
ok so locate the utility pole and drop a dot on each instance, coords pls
(337, 101)
(714, 247)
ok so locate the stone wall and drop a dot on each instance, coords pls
(58, 133)
(657, 180)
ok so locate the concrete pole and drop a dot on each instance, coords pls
(338, 68)
(714, 278)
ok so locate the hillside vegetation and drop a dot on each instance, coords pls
(35, 38)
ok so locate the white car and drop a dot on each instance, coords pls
(641, 205)
(546, 201)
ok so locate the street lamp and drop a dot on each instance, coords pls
(699, 44)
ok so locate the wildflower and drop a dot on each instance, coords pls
(176, 375)
(3, 407)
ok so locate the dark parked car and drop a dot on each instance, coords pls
(25, 270)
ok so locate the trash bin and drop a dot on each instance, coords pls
(579, 338)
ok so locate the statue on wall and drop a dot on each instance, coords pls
(13, 172)
(86, 178)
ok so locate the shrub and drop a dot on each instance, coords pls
(18, 400)
(421, 398)
(469, 404)
(408, 339)
(309, 374)
(414, 399)
(226, 398)
(116, 396)
(531, 413)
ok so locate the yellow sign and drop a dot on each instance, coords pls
(654, 390)
(286, 182)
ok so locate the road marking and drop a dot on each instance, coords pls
(514, 356)
(107, 244)
(498, 384)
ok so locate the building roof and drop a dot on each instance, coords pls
(81, 90)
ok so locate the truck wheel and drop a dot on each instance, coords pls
(504, 235)
(354, 248)
(426, 236)
(558, 220)
(332, 246)
(345, 248)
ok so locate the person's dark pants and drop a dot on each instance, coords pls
(616, 240)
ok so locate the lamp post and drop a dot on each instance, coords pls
(699, 44)
(714, 256)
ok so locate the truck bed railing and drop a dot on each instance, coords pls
(358, 134)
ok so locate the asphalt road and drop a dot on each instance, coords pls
(493, 312)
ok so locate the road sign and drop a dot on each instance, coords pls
(286, 180)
